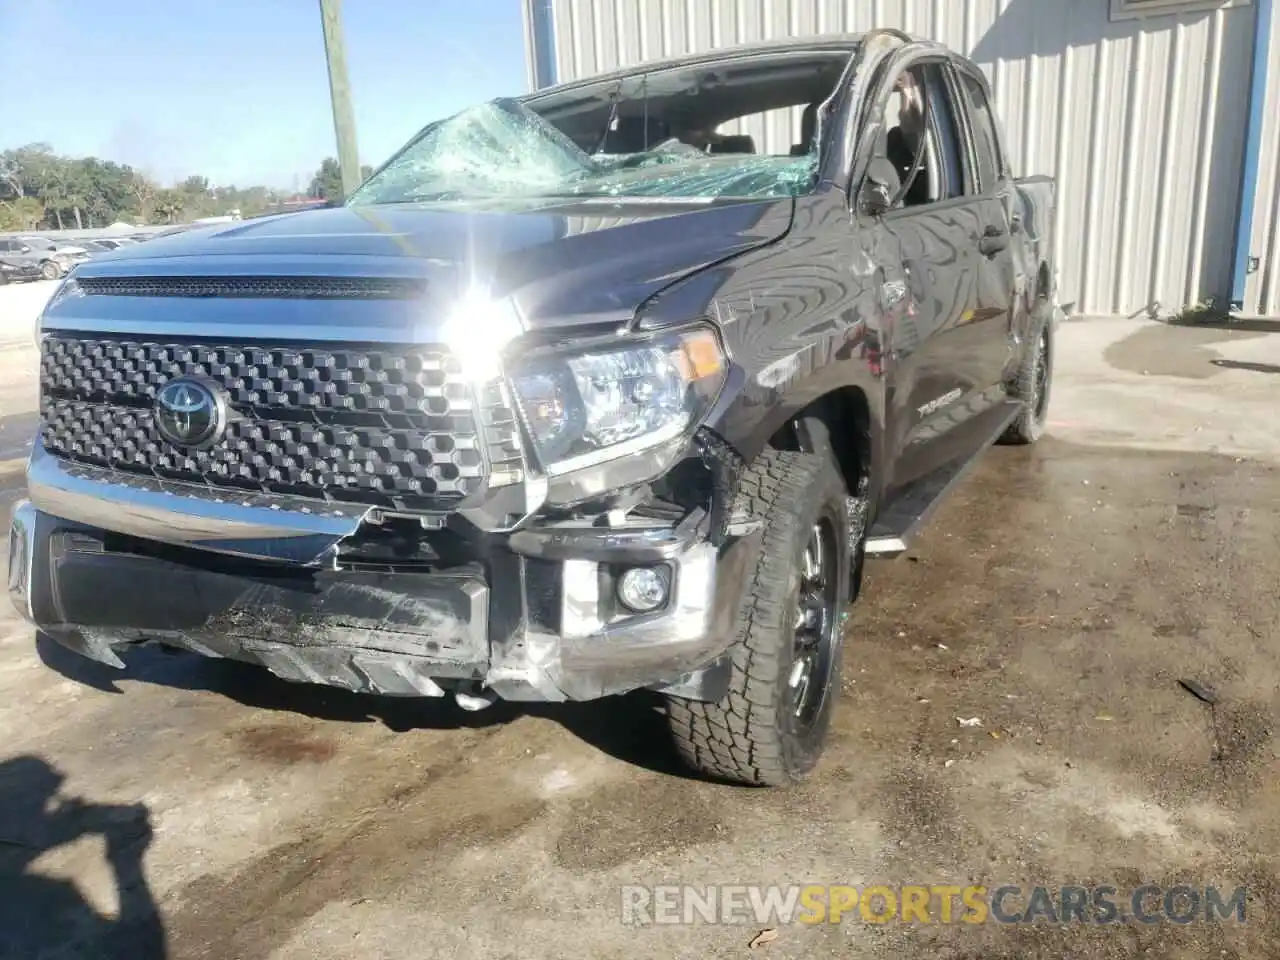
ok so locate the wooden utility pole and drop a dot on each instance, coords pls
(344, 120)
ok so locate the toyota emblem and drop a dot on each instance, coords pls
(188, 413)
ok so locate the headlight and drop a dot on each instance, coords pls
(68, 288)
(590, 407)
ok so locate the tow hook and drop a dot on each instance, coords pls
(475, 699)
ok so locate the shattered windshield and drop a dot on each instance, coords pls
(503, 150)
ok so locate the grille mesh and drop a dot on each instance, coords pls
(396, 427)
(261, 288)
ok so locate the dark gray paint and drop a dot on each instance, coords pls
(810, 296)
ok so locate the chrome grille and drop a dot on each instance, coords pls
(262, 288)
(388, 426)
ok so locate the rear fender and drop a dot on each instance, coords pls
(1035, 206)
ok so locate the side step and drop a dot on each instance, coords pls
(899, 525)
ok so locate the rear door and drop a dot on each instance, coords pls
(23, 251)
(12, 250)
(995, 202)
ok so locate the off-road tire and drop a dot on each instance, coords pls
(1029, 425)
(750, 735)
(49, 270)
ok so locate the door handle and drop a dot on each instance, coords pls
(993, 241)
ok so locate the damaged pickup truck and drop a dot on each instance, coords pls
(578, 394)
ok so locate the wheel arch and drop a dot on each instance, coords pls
(824, 424)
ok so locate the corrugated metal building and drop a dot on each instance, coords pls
(1140, 108)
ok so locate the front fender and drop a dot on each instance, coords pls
(800, 319)
(778, 392)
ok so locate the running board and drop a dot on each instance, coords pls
(896, 529)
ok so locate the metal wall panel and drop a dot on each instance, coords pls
(1263, 290)
(1142, 122)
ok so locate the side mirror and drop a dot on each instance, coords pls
(880, 188)
(24, 249)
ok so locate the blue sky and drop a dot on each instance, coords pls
(237, 90)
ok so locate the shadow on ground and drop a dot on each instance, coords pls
(40, 913)
(630, 728)
(1215, 322)
(1247, 365)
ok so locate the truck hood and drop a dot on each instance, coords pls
(585, 262)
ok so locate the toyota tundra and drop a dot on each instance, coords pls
(610, 387)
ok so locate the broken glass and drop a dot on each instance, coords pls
(500, 148)
(503, 150)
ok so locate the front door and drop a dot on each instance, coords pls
(941, 281)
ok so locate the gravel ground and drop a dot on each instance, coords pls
(207, 810)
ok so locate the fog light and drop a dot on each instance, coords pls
(644, 589)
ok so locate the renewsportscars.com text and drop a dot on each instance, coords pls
(933, 903)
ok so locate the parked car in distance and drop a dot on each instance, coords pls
(75, 252)
(50, 263)
(171, 231)
(67, 254)
(70, 247)
(14, 269)
(629, 414)
(94, 247)
(115, 243)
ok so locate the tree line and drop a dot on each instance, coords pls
(41, 189)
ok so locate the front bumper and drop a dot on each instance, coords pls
(540, 624)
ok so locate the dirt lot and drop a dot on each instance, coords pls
(1060, 597)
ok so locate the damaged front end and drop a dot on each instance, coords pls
(412, 475)
(540, 523)
(393, 605)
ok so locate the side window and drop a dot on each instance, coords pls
(922, 138)
(945, 130)
(986, 140)
(8, 246)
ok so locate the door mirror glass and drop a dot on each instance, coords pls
(881, 187)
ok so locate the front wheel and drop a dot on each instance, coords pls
(785, 658)
(49, 270)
